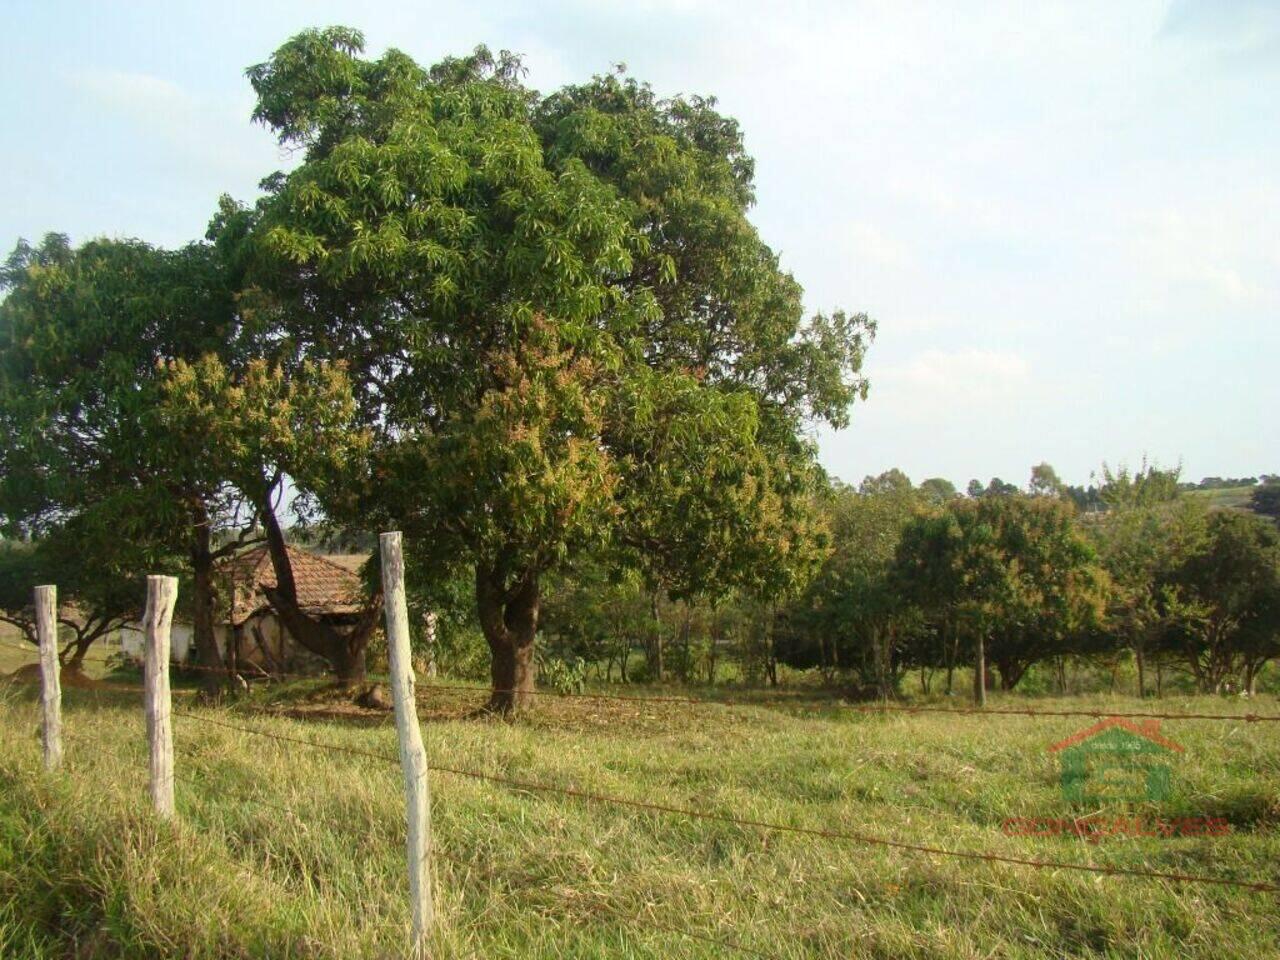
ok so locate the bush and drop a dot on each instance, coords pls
(563, 676)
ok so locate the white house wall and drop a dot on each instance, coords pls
(131, 639)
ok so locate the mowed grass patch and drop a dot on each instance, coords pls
(285, 850)
(1222, 498)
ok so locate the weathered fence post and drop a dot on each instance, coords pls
(429, 621)
(162, 594)
(413, 756)
(46, 603)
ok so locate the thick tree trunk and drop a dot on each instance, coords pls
(344, 650)
(1251, 670)
(75, 662)
(1140, 661)
(202, 602)
(349, 662)
(656, 638)
(509, 620)
(1011, 673)
(770, 647)
(952, 651)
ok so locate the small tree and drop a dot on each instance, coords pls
(1045, 481)
(84, 334)
(1147, 485)
(852, 615)
(1009, 572)
(94, 599)
(259, 427)
(1139, 547)
(1220, 601)
(1265, 499)
(938, 490)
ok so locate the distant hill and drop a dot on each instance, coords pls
(1225, 498)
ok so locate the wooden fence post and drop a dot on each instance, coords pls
(413, 756)
(162, 594)
(46, 603)
(429, 621)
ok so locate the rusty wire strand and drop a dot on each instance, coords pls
(488, 872)
(855, 837)
(1095, 713)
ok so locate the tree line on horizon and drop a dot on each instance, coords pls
(924, 582)
(1009, 579)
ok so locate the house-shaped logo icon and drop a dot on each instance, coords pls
(1116, 759)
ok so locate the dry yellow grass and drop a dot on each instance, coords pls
(281, 850)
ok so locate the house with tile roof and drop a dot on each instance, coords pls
(250, 636)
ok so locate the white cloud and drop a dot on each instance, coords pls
(136, 93)
(868, 243)
(996, 368)
(1212, 256)
(969, 376)
(211, 134)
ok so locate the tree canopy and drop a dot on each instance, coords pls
(1009, 572)
(560, 326)
(1265, 499)
(86, 337)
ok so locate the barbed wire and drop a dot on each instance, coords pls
(336, 747)
(772, 698)
(1096, 714)
(121, 657)
(489, 873)
(842, 835)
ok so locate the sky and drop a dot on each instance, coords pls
(1065, 217)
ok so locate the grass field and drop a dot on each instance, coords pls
(285, 851)
(1236, 498)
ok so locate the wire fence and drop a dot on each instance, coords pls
(765, 699)
(491, 872)
(662, 809)
(651, 806)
